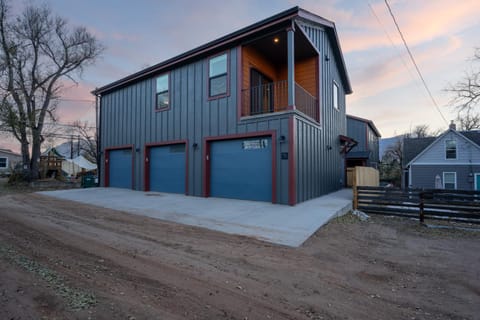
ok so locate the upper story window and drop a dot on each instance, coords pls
(217, 76)
(335, 96)
(162, 92)
(450, 149)
(3, 163)
(450, 180)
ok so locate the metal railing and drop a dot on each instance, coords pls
(273, 97)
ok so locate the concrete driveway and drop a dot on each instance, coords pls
(274, 223)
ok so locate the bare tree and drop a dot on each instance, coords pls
(468, 120)
(37, 52)
(87, 134)
(466, 92)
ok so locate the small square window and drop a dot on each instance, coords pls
(335, 96)
(451, 149)
(217, 76)
(3, 163)
(162, 92)
(450, 180)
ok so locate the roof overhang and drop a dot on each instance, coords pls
(286, 17)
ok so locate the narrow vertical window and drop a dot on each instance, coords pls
(450, 149)
(217, 76)
(162, 95)
(335, 95)
(450, 180)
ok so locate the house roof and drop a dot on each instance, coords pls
(367, 121)
(413, 146)
(10, 152)
(235, 38)
(472, 136)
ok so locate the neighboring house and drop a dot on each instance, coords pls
(450, 161)
(256, 114)
(366, 152)
(8, 161)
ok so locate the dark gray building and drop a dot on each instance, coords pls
(256, 114)
(366, 134)
(450, 161)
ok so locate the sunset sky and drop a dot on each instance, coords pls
(442, 35)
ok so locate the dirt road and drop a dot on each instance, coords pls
(63, 260)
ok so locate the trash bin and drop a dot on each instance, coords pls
(89, 181)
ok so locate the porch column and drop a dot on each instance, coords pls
(291, 66)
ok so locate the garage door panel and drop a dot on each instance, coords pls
(120, 168)
(241, 169)
(167, 168)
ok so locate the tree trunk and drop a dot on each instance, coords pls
(35, 162)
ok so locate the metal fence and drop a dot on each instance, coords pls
(273, 97)
(437, 204)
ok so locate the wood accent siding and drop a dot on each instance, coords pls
(306, 75)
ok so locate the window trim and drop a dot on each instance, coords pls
(456, 149)
(454, 174)
(227, 92)
(335, 85)
(169, 92)
(6, 162)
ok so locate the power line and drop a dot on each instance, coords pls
(414, 62)
(391, 41)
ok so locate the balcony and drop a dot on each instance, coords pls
(273, 97)
(268, 63)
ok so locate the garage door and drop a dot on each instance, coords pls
(167, 168)
(120, 168)
(241, 169)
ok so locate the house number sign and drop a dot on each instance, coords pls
(255, 144)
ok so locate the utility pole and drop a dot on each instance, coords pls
(71, 146)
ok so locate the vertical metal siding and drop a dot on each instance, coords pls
(320, 166)
(129, 117)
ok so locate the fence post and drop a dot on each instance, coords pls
(422, 207)
(355, 197)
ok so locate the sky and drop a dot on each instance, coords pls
(441, 34)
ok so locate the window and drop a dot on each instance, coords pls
(217, 76)
(451, 149)
(3, 163)
(450, 180)
(163, 95)
(335, 95)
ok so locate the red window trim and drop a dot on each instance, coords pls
(227, 93)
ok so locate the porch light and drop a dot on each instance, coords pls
(276, 40)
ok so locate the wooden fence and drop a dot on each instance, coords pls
(363, 176)
(453, 205)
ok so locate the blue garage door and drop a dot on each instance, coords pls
(167, 168)
(477, 179)
(241, 169)
(120, 168)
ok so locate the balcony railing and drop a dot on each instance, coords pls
(273, 97)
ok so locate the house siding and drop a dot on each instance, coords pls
(320, 165)
(356, 130)
(423, 176)
(466, 151)
(129, 118)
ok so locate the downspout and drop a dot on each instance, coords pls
(98, 122)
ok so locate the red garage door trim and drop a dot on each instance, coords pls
(107, 162)
(206, 157)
